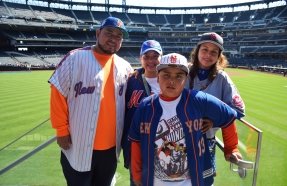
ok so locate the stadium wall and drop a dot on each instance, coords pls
(252, 38)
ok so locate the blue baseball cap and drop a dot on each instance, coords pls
(151, 45)
(116, 23)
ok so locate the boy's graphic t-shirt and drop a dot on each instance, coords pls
(170, 154)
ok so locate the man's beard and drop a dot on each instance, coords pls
(106, 51)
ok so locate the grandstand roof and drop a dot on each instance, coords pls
(149, 4)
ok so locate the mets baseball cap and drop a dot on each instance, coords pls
(116, 23)
(211, 37)
(150, 45)
(173, 60)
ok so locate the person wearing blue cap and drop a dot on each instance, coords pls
(87, 107)
(141, 84)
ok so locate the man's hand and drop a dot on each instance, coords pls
(206, 125)
(64, 142)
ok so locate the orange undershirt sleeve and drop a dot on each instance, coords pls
(59, 112)
(136, 161)
(230, 139)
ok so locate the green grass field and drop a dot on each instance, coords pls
(24, 100)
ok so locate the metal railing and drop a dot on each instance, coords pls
(30, 153)
(244, 165)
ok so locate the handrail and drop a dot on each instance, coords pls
(242, 164)
(12, 142)
(27, 155)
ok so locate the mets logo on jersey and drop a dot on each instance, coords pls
(135, 98)
(79, 89)
(238, 102)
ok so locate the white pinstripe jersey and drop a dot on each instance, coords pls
(79, 78)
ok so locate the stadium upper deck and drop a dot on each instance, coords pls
(46, 30)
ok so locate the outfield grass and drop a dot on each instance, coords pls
(24, 100)
(265, 97)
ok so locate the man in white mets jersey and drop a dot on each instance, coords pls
(87, 107)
